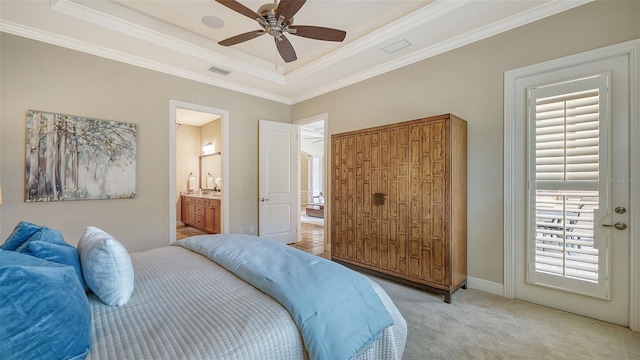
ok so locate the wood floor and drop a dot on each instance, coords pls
(311, 238)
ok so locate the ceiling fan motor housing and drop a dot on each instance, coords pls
(271, 25)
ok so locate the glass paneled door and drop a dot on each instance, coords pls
(569, 155)
(575, 247)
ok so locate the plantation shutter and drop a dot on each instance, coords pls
(567, 137)
(567, 154)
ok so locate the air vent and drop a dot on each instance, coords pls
(219, 70)
(397, 46)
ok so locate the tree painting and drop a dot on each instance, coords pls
(75, 158)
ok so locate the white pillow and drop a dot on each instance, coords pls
(106, 266)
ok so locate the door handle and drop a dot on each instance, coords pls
(619, 225)
(264, 199)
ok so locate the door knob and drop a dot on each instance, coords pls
(619, 225)
(263, 199)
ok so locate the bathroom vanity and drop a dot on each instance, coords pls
(201, 212)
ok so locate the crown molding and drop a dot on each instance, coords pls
(495, 28)
(74, 44)
(419, 17)
(121, 25)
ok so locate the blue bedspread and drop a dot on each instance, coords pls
(335, 308)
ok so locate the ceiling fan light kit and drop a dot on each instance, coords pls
(276, 19)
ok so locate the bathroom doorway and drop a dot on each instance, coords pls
(312, 185)
(199, 169)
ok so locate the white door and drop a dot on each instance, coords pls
(279, 188)
(574, 252)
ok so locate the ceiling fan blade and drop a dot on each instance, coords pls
(285, 49)
(237, 7)
(318, 32)
(288, 8)
(241, 38)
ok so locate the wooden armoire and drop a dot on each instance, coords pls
(399, 202)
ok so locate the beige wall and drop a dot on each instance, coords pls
(188, 149)
(304, 177)
(43, 77)
(468, 82)
(211, 133)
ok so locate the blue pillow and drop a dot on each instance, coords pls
(48, 235)
(45, 313)
(23, 231)
(64, 253)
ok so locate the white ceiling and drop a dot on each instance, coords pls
(169, 36)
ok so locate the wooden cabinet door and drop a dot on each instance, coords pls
(342, 235)
(428, 197)
(209, 217)
(191, 214)
(393, 182)
(216, 220)
(183, 210)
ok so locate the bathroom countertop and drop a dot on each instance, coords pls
(204, 196)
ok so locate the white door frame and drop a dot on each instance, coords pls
(630, 49)
(224, 117)
(325, 170)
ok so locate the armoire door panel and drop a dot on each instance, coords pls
(427, 267)
(384, 244)
(392, 199)
(350, 236)
(414, 266)
(359, 246)
(375, 240)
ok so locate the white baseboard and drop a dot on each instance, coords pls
(486, 286)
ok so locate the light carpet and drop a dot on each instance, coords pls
(479, 325)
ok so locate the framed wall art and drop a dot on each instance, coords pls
(76, 158)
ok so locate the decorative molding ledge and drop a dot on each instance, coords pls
(521, 19)
(73, 44)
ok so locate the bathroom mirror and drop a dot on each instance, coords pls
(210, 170)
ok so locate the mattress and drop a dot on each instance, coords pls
(185, 306)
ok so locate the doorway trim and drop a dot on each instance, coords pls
(224, 117)
(326, 185)
(511, 155)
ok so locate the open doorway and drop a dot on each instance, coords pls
(199, 173)
(312, 185)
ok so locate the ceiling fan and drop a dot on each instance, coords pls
(277, 19)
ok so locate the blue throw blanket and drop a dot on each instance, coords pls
(335, 308)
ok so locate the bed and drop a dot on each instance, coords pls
(205, 297)
(186, 306)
